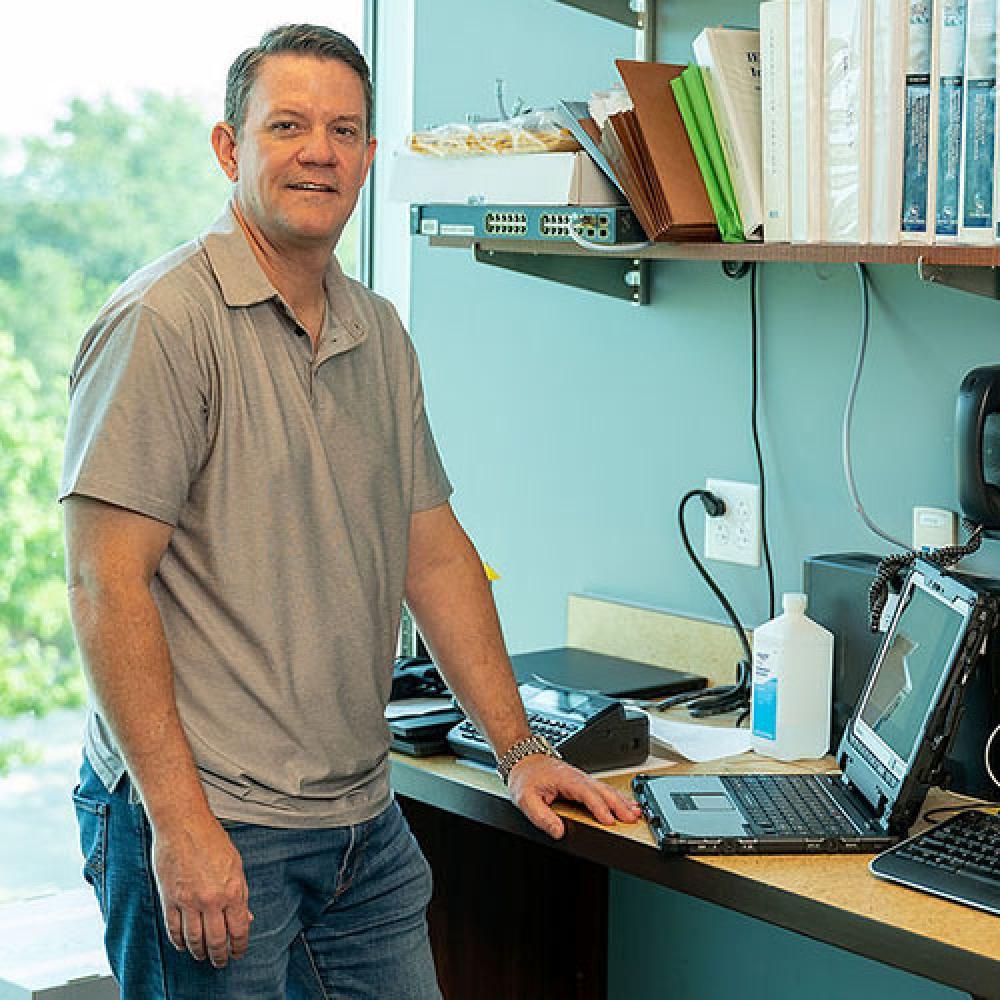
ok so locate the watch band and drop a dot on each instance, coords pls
(524, 748)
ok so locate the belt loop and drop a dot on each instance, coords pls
(134, 799)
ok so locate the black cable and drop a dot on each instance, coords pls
(758, 451)
(713, 586)
(728, 697)
(984, 807)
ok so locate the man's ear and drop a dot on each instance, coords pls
(224, 144)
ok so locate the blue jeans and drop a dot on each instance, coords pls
(338, 913)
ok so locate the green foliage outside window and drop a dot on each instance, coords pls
(108, 191)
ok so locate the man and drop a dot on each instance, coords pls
(250, 490)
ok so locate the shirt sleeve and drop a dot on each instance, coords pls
(137, 431)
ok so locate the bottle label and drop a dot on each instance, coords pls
(764, 711)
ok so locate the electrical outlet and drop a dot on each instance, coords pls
(934, 528)
(735, 536)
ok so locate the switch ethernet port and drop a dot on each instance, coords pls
(553, 225)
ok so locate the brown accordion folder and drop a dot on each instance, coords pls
(649, 151)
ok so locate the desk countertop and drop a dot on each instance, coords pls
(832, 898)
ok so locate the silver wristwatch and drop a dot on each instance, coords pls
(520, 750)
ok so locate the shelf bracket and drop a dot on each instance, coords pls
(638, 14)
(619, 277)
(978, 280)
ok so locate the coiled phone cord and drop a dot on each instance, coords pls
(891, 565)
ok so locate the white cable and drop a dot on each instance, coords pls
(500, 105)
(988, 753)
(849, 415)
(603, 247)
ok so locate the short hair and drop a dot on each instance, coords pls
(305, 39)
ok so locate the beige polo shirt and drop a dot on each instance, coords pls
(290, 478)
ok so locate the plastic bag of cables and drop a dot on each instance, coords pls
(533, 132)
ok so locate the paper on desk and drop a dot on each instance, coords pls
(698, 742)
(408, 707)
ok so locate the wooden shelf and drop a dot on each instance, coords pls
(832, 253)
(624, 274)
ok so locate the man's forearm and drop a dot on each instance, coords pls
(448, 594)
(112, 554)
(131, 676)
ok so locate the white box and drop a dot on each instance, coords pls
(517, 179)
(51, 948)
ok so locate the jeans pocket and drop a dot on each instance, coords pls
(92, 818)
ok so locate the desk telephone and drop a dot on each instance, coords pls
(590, 731)
(416, 677)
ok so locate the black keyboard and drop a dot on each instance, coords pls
(554, 730)
(959, 859)
(788, 805)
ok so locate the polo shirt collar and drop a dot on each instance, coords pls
(243, 283)
(241, 279)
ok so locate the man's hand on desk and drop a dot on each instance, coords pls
(537, 781)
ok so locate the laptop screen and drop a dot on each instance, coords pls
(910, 670)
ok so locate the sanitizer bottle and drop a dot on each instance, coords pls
(792, 684)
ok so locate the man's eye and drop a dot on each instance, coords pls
(283, 126)
(346, 131)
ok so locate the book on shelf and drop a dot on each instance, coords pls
(805, 119)
(696, 113)
(774, 120)
(917, 206)
(888, 70)
(946, 148)
(730, 61)
(648, 149)
(846, 126)
(976, 196)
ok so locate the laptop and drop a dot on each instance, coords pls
(612, 676)
(889, 755)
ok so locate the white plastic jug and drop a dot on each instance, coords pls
(792, 684)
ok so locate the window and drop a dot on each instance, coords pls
(105, 164)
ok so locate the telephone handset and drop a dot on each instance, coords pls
(416, 677)
(589, 730)
(977, 446)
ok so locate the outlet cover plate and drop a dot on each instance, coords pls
(735, 536)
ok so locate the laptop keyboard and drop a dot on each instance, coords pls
(787, 805)
(959, 859)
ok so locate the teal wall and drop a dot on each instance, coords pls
(571, 425)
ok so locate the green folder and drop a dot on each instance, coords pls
(696, 113)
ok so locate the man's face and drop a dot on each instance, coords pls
(303, 153)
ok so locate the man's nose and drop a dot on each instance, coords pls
(319, 147)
